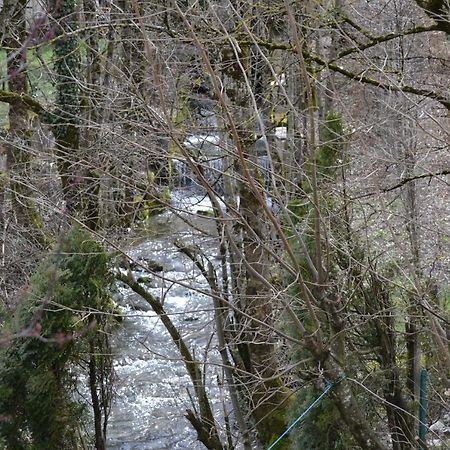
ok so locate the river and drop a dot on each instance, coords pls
(152, 384)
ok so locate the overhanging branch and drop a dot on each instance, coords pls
(443, 100)
(404, 181)
(30, 103)
(416, 177)
(385, 38)
(438, 10)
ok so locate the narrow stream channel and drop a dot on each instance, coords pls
(152, 383)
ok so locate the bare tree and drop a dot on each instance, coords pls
(318, 133)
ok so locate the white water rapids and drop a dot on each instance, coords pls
(152, 383)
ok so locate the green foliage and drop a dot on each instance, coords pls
(326, 159)
(40, 63)
(321, 429)
(331, 137)
(53, 324)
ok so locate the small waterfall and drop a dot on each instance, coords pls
(213, 169)
(182, 173)
(208, 151)
(264, 168)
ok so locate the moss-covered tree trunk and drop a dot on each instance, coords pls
(79, 185)
(18, 154)
(67, 112)
(91, 104)
(267, 398)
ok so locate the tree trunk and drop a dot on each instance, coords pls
(17, 149)
(66, 117)
(100, 441)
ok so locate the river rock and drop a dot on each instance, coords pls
(138, 304)
(141, 265)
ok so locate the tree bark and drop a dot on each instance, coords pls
(18, 148)
(100, 441)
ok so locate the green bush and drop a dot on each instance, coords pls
(56, 319)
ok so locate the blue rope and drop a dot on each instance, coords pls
(306, 412)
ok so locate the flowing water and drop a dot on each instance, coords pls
(152, 383)
(152, 387)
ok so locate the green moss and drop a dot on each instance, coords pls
(205, 213)
(275, 424)
(321, 428)
(144, 280)
(331, 137)
(148, 206)
(279, 119)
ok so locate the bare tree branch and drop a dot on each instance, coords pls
(438, 10)
(404, 181)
